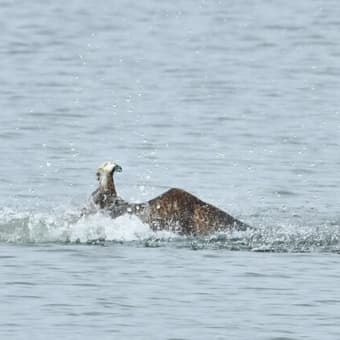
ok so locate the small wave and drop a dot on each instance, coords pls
(67, 227)
(28, 227)
(279, 238)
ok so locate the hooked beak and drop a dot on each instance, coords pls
(118, 168)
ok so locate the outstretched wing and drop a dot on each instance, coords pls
(183, 212)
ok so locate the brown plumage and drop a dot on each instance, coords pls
(175, 210)
(178, 209)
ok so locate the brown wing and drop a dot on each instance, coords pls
(183, 212)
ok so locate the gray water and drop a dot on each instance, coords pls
(236, 102)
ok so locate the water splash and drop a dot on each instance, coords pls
(279, 238)
(28, 227)
(66, 226)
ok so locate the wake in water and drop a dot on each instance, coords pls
(68, 227)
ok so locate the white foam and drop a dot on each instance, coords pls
(69, 227)
(100, 226)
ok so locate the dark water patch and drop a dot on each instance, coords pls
(288, 27)
(97, 313)
(308, 305)
(275, 289)
(284, 193)
(20, 296)
(64, 249)
(19, 283)
(60, 305)
(254, 274)
(91, 285)
(10, 134)
(304, 171)
(328, 301)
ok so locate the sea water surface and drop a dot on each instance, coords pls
(235, 101)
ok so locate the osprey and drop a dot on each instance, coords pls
(174, 210)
